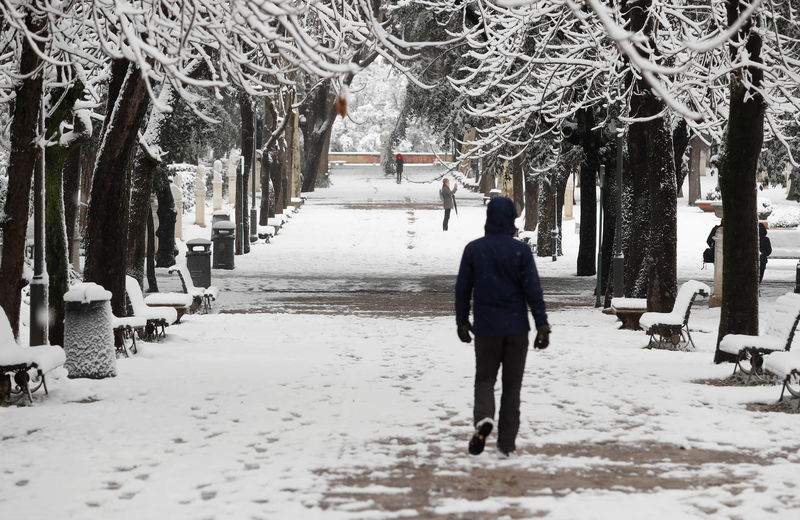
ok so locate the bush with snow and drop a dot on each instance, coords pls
(785, 217)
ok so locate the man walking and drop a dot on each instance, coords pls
(448, 199)
(498, 273)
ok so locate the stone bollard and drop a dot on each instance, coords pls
(716, 296)
(88, 332)
(569, 199)
(177, 194)
(233, 165)
(216, 202)
(200, 196)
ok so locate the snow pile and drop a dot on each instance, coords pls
(86, 293)
(784, 217)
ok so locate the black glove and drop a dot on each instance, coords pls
(542, 337)
(463, 332)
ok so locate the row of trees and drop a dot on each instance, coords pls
(107, 77)
(554, 84)
(549, 85)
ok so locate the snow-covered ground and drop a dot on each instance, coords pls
(353, 416)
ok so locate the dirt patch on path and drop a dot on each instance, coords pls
(627, 468)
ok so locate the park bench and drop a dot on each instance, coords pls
(629, 311)
(124, 333)
(158, 318)
(778, 333)
(203, 297)
(23, 369)
(786, 366)
(670, 330)
(492, 194)
(182, 302)
(297, 201)
(266, 233)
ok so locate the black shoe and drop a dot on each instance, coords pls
(478, 440)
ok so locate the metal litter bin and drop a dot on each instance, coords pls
(198, 261)
(219, 216)
(223, 235)
(494, 193)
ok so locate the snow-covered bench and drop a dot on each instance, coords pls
(297, 201)
(202, 296)
(785, 365)
(777, 334)
(629, 311)
(670, 330)
(124, 333)
(22, 366)
(277, 221)
(266, 233)
(157, 317)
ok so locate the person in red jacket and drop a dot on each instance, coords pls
(399, 160)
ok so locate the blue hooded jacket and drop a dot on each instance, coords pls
(498, 273)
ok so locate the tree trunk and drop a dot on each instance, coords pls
(636, 210)
(270, 125)
(56, 251)
(150, 253)
(144, 172)
(737, 179)
(398, 133)
(144, 169)
(531, 203)
(167, 216)
(248, 135)
(663, 239)
(108, 211)
(21, 161)
(72, 178)
(680, 141)
(517, 180)
(323, 112)
(590, 142)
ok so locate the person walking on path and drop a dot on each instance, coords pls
(448, 199)
(498, 274)
(764, 249)
(399, 160)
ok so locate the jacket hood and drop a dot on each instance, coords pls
(500, 215)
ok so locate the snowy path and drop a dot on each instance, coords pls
(359, 407)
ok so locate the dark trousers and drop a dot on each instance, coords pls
(490, 353)
(446, 218)
(399, 174)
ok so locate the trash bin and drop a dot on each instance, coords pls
(89, 333)
(494, 193)
(220, 215)
(223, 234)
(198, 261)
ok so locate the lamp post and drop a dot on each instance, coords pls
(253, 210)
(241, 198)
(554, 232)
(602, 177)
(619, 257)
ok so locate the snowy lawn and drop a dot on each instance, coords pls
(348, 415)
